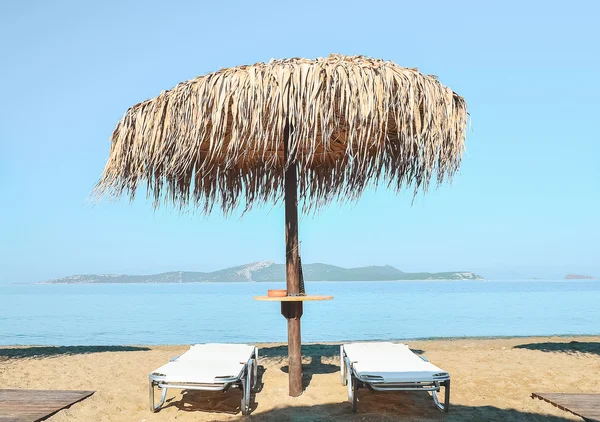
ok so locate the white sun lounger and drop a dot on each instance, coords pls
(390, 367)
(209, 367)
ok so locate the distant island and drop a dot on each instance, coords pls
(579, 277)
(267, 271)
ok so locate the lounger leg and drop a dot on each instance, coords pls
(436, 400)
(342, 365)
(255, 374)
(249, 387)
(349, 377)
(443, 407)
(245, 402)
(447, 396)
(163, 397)
(354, 394)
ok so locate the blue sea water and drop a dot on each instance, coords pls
(226, 312)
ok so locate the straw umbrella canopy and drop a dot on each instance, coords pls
(323, 129)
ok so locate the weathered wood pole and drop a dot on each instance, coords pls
(292, 310)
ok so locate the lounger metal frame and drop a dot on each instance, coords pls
(246, 381)
(354, 381)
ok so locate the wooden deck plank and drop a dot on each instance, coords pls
(586, 406)
(18, 405)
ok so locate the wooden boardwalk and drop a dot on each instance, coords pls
(586, 406)
(36, 405)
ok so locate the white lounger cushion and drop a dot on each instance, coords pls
(207, 363)
(393, 362)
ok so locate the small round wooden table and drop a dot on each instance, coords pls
(292, 298)
(291, 309)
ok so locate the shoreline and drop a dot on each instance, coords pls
(332, 342)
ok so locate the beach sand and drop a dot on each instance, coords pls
(492, 380)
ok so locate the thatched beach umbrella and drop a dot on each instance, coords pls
(324, 128)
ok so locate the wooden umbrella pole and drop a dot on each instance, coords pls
(292, 310)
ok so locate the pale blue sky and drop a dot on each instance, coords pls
(526, 201)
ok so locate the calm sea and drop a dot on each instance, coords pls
(225, 312)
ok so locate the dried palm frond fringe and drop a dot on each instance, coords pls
(218, 139)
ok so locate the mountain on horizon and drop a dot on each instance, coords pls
(268, 271)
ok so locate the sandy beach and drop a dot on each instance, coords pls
(492, 380)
